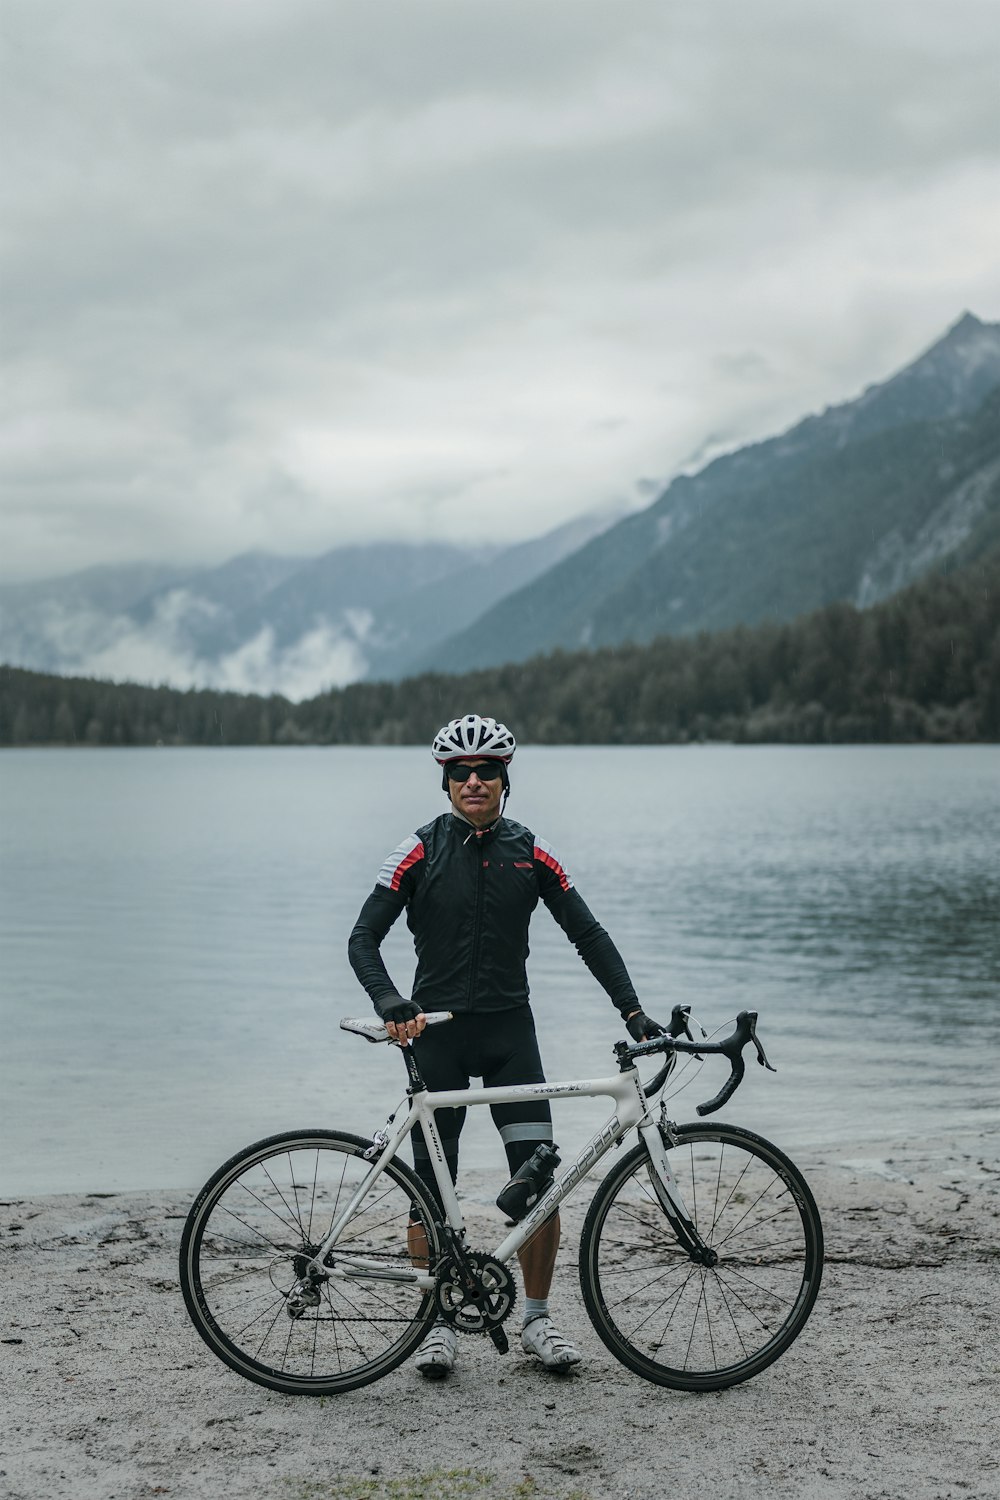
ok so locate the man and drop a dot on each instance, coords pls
(469, 882)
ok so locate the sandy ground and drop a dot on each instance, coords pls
(892, 1390)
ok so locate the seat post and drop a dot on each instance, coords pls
(417, 1084)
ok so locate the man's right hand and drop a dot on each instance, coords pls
(404, 1021)
(642, 1028)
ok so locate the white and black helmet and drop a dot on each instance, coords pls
(472, 735)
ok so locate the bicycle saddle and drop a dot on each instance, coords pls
(374, 1031)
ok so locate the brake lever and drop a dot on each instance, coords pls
(679, 1022)
(761, 1054)
(679, 1026)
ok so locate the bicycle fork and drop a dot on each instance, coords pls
(656, 1138)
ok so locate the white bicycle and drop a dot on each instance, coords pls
(700, 1257)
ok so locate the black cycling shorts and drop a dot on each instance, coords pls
(501, 1048)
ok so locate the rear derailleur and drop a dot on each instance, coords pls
(304, 1292)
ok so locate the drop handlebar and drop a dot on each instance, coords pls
(731, 1046)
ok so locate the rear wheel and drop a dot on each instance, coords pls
(243, 1253)
(692, 1326)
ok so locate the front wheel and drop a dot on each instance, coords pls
(243, 1271)
(688, 1325)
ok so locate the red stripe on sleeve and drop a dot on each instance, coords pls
(404, 865)
(549, 859)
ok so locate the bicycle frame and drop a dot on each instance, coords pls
(631, 1110)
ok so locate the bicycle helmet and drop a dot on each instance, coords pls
(481, 738)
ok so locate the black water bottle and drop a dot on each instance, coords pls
(529, 1182)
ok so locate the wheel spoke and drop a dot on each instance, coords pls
(270, 1209)
(279, 1249)
(733, 1189)
(631, 1296)
(270, 1326)
(297, 1218)
(749, 1210)
(682, 1261)
(694, 1320)
(767, 1291)
(312, 1200)
(272, 1301)
(783, 1212)
(674, 1297)
(726, 1303)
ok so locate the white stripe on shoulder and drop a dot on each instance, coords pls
(545, 852)
(389, 873)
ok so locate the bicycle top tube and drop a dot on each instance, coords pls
(616, 1086)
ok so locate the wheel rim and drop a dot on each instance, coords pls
(699, 1323)
(246, 1250)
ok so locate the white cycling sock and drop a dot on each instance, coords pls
(535, 1307)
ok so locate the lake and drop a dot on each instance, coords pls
(174, 928)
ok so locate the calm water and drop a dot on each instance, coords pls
(174, 923)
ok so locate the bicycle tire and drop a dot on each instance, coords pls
(276, 1200)
(688, 1326)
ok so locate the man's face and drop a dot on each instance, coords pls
(478, 800)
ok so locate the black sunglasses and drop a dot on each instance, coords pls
(489, 771)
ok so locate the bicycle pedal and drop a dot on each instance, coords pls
(500, 1340)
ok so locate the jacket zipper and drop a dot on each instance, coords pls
(477, 923)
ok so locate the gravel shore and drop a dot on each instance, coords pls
(892, 1391)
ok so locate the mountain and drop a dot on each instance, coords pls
(234, 606)
(270, 624)
(849, 504)
(429, 614)
(921, 666)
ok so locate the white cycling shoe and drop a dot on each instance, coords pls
(438, 1352)
(541, 1338)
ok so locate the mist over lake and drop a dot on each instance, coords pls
(174, 927)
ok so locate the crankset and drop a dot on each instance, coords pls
(475, 1294)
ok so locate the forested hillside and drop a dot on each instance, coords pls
(851, 505)
(922, 666)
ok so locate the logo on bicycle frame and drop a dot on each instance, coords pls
(584, 1162)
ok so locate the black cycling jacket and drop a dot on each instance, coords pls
(469, 898)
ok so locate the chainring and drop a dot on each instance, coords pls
(477, 1311)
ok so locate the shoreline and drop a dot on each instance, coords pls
(886, 1393)
(481, 1183)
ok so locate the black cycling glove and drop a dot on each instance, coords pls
(401, 1012)
(642, 1028)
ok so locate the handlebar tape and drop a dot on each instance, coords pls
(727, 1090)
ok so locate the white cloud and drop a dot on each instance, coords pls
(321, 659)
(283, 274)
(126, 652)
(73, 638)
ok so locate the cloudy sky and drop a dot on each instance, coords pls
(285, 274)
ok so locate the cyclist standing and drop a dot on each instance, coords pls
(469, 882)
